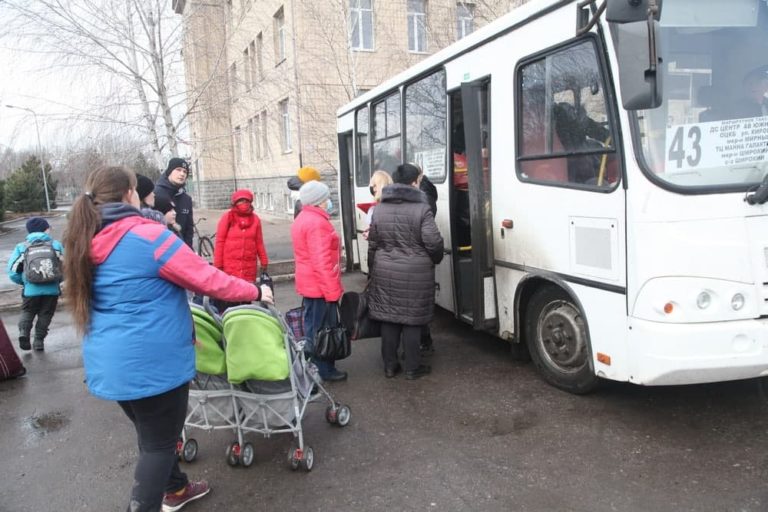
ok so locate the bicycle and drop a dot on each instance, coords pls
(204, 242)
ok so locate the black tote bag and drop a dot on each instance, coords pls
(332, 340)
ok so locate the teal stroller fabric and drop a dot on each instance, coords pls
(256, 347)
(209, 354)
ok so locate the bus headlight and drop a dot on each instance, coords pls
(704, 300)
(681, 300)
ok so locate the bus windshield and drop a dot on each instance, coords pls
(712, 128)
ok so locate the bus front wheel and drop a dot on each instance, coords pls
(558, 340)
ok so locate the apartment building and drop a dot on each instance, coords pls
(265, 78)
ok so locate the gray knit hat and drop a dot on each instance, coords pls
(313, 193)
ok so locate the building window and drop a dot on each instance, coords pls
(285, 120)
(417, 25)
(233, 88)
(465, 19)
(271, 200)
(260, 54)
(280, 35)
(257, 137)
(564, 134)
(264, 135)
(246, 70)
(251, 137)
(238, 145)
(253, 64)
(361, 24)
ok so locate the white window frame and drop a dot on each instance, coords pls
(417, 24)
(357, 14)
(280, 41)
(285, 124)
(465, 19)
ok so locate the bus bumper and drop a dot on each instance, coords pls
(666, 354)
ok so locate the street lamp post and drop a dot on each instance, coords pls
(40, 151)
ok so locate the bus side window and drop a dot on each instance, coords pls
(564, 133)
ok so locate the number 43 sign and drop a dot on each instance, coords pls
(716, 144)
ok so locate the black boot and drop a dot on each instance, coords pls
(38, 345)
(419, 372)
(24, 343)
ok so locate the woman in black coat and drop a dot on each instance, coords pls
(404, 247)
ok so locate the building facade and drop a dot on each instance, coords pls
(265, 78)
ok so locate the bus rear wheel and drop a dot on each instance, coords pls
(558, 340)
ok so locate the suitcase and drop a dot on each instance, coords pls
(10, 364)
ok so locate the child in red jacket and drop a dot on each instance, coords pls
(239, 241)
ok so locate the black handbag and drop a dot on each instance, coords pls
(365, 327)
(332, 341)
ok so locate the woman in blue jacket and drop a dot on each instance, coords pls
(127, 277)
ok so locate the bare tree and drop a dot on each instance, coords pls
(134, 44)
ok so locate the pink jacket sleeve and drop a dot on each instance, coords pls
(186, 269)
(327, 271)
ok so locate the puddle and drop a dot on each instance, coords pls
(41, 425)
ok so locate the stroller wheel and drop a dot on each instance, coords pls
(309, 459)
(343, 414)
(247, 455)
(331, 415)
(189, 450)
(294, 458)
(233, 454)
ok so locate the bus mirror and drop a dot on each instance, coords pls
(639, 75)
(630, 11)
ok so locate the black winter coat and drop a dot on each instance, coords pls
(404, 245)
(166, 191)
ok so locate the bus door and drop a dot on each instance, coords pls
(346, 197)
(471, 216)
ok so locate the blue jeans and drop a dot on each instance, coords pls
(314, 313)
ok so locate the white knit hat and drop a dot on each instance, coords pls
(313, 193)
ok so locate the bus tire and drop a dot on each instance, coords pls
(558, 340)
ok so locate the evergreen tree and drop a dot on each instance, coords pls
(141, 165)
(24, 190)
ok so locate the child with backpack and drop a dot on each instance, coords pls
(36, 264)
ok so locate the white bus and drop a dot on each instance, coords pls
(600, 172)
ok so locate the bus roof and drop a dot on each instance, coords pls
(496, 27)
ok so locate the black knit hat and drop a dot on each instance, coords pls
(175, 162)
(144, 186)
(37, 225)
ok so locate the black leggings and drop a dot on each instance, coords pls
(158, 420)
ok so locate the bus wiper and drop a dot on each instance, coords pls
(760, 195)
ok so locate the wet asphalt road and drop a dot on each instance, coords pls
(482, 433)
